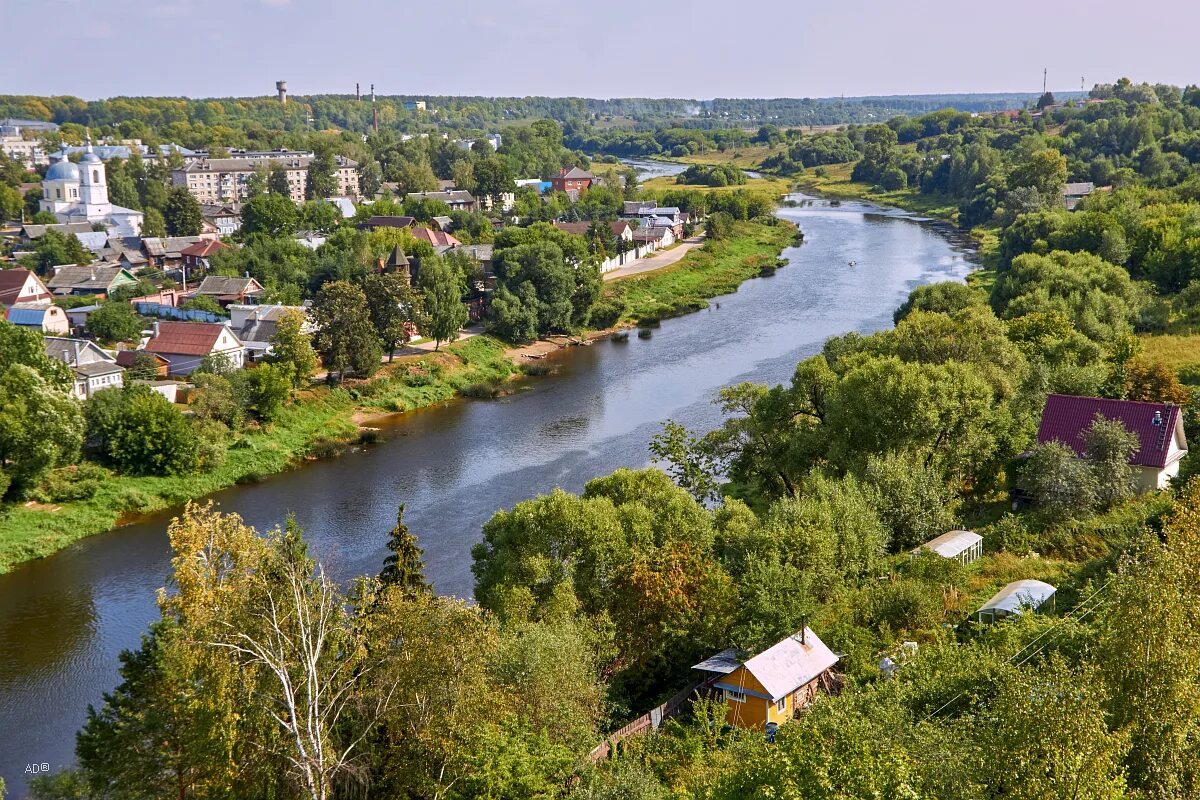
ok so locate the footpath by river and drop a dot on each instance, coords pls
(65, 619)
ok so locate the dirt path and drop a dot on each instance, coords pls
(664, 258)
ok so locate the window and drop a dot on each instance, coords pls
(781, 705)
(95, 176)
(735, 696)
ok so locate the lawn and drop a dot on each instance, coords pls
(1180, 352)
(717, 268)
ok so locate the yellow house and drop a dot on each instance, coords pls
(773, 685)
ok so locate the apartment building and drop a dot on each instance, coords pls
(225, 180)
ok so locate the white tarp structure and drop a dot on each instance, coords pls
(1015, 598)
(962, 546)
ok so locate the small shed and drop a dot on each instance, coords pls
(962, 546)
(1015, 598)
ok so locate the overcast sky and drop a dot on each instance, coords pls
(690, 48)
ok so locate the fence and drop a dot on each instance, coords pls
(164, 311)
(650, 720)
(638, 251)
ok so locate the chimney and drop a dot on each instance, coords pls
(803, 629)
(155, 336)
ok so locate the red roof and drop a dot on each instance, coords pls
(1067, 418)
(203, 249)
(435, 238)
(11, 283)
(185, 338)
(128, 358)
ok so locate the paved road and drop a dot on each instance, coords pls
(663, 258)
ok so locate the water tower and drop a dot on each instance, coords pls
(281, 87)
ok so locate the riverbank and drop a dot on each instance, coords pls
(323, 421)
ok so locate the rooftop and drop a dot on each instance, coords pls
(781, 668)
(1017, 595)
(1066, 419)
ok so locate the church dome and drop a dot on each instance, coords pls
(90, 158)
(62, 171)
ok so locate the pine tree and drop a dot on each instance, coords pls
(404, 567)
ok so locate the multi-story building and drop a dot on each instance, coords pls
(28, 151)
(225, 180)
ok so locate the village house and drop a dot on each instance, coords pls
(185, 344)
(457, 200)
(129, 359)
(226, 290)
(221, 218)
(32, 232)
(41, 317)
(166, 252)
(773, 685)
(658, 238)
(98, 279)
(1073, 193)
(440, 240)
(573, 181)
(965, 547)
(94, 368)
(22, 286)
(1014, 599)
(125, 251)
(371, 223)
(1158, 427)
(256, 326)
(196, 256)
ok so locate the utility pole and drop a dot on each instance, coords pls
(374, 111)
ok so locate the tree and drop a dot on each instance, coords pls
(271, 214)
(23, 346)
(1153, 382)
(140, 432)
(945, 297)
(345, 337)
(56, 248)
(277, 181)
(396, 310)
(691, 464)
(320, 215)
(115, 321)
(256, 183)
(182, 213)
(40, 428)
(143, 368)
(719, 225)
(153, 223)
(463, 174)
(1060, 484)
(912, 499)
(203, 302)
(404, 568)
(1046, 99)
(322, 175)
(1108, 446)
(266, 389)
(492, 177)
(292, 347)
(443, 290)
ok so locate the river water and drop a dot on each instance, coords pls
(64, 619)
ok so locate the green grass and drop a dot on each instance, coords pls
(1177, 351)
(320, 420)
(717, 268)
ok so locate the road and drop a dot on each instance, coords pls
(663, 258)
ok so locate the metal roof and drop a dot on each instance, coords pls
(1067, 418)
(1019, 595)
(26, 316)
(950, 544)
(784, 667)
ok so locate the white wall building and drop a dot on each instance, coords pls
(79, 193)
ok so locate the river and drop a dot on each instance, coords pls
(64, 619)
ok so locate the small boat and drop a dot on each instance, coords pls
(854, 263)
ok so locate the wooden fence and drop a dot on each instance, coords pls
(650, 720)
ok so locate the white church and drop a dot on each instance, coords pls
(79, 193)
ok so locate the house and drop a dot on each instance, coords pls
(94, 369)
(32, 232)
(658, 237)
(22, 286)
(620, 229)
(440, 240)
(773, 685)
(444, 224)
(634, 208)
(1072, 193)
(964, 547)
(166, 252)
(457, 200)
(41, 317)
(344, 205)
(125, 251)
(196, 256)
(221, 219)
(185, 344)
(1158, 427)
(1014, 599)
(227, 290)
(129, 359)
(79, 315)
(97, 279)
(372, 223)
(255, 326)
(572, 181)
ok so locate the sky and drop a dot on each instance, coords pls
(651, 48)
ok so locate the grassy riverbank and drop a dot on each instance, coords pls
(717, 268)
(318, 423)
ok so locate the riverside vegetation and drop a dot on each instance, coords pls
(801, 506)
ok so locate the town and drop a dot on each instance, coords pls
(362, 444)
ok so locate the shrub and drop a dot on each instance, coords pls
(71, 483)
(606, 313)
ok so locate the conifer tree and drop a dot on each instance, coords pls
(404, 566)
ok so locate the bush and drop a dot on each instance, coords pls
(719, 225)
(78, 482)
(606, 313)
(1011, 535)
(903, 605)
